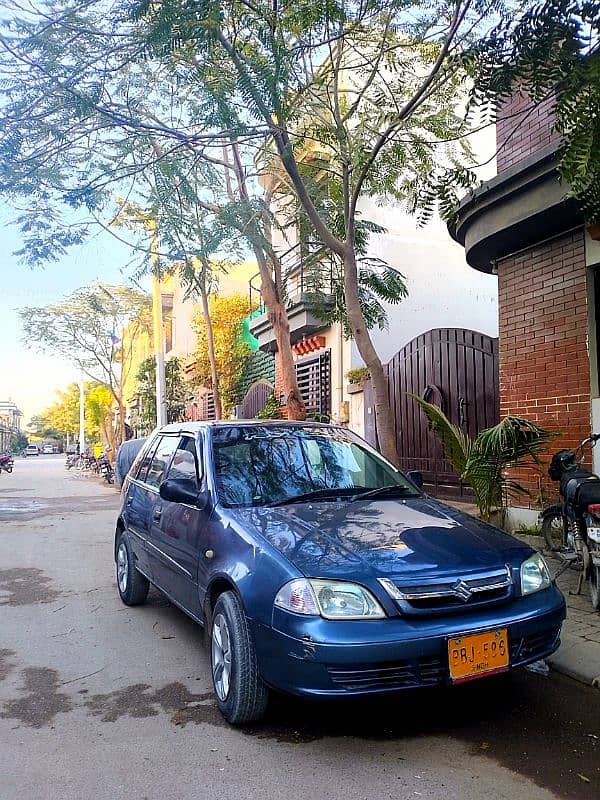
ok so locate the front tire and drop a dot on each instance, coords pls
(132, 585)
(242, 696)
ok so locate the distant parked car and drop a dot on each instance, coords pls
(32, 450)
(48, 449)
(320, 569)
(126, 455)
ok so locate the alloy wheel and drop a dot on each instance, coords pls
(221, 656)
(122, 567)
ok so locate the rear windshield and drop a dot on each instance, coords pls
(257, 465)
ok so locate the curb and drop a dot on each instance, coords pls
(578, 659)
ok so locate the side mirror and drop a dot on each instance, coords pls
(416, 478)
(181, 490)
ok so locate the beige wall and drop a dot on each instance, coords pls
(184, 336)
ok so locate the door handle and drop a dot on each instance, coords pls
(156, 514)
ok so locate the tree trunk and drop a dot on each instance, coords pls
(276, 311)
(121, 423)
(278, 318)
(384, 418)
(210, 343)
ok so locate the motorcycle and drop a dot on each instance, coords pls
(6, 463)
(571, 528)
(72, 460)
(104, 467)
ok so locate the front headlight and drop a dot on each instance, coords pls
(329, 599)
(534, 575)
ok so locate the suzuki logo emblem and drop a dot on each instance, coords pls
(462, 591)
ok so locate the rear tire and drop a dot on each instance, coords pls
(595, 586)
(132, 585)
(242, 696)
(553, 529)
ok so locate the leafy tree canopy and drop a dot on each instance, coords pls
(87, 329)
(231, 352)
(176, 393)
(327, 99)
(62, 417)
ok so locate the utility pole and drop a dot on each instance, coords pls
(157, 324)
(81, 416)
(130, 216)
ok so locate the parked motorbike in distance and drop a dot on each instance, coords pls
(571, 528)
(72, 460)
(86, 461)
(104, 467)
(6, 463)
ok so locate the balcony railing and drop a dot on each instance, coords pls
(305, 290)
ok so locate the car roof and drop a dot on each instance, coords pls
(194, 427)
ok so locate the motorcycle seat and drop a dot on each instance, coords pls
(582, 490)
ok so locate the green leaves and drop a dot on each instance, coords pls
(482, 463)
(176, 393)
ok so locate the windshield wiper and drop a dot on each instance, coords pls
(317, 494)
(399, 491)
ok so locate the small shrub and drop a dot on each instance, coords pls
(270, 410)
(357, 375)
(528, 530)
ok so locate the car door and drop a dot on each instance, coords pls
(181, 529)
(159, 463)
(139, 503)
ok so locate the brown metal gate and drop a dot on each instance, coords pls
(314, 381)
(254, 401)
(455, 369)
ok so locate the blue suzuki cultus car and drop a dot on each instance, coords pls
(319, 569)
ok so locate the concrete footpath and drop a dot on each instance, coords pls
(579, 654)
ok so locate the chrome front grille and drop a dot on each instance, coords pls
(452, 594)
(423, 671)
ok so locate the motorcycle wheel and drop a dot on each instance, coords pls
(595, 587)
(9, 469)
(553, 530)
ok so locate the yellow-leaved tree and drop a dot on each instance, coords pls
(63, 415)
(231, 351)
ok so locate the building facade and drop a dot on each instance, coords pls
(522, 226)
(443, 292)
(10, 423)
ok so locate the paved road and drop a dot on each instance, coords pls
(101, 701)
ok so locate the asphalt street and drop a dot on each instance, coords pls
(98, 700)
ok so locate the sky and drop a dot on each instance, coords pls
(29, 378)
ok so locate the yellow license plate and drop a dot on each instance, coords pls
(478, 654)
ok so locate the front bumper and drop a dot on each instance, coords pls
(312, 656)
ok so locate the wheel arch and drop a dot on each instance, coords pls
(218, 585)
(118, 531)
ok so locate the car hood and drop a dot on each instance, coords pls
(409, 538)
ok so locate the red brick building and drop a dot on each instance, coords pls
(522, 226)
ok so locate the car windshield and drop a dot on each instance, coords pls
(266, 465)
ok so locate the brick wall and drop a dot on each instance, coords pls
(544, 364)
(522, 129)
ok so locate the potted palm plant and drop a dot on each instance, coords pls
(482, 462)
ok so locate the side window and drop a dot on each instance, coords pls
(185, 462)
(160, 462)
(143, 461)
